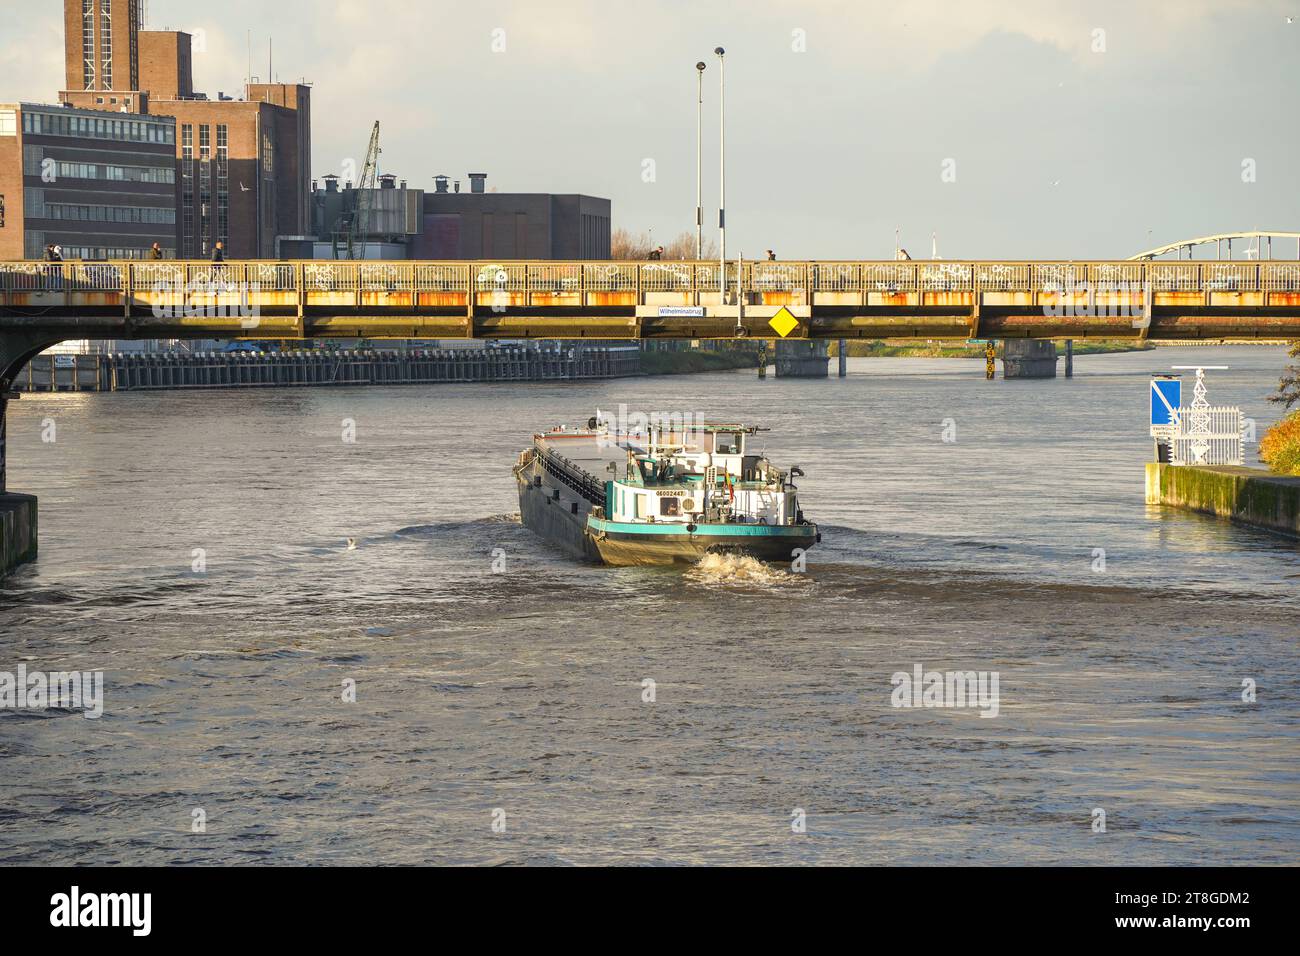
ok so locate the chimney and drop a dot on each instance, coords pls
(387, 181)
(456, 186)
(331, 183)
(476, 181)
(440, 183)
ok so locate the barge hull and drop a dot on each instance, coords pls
(552, 519)
(640, 549)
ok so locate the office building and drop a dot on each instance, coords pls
(101, 185)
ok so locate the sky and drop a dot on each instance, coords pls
(1016, 130)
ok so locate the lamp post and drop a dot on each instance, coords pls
(722, 174)
(699, 160)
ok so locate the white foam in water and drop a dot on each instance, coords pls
(740, 569)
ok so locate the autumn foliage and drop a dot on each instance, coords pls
(1280, 446)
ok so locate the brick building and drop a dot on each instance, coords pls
(243, 166)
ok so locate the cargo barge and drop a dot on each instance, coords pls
(666, 496)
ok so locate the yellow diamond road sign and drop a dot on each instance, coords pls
(783, 322)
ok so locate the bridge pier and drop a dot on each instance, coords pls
(801, 358)
(17, 512)
(1028, 358)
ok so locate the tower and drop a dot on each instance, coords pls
(101, 45)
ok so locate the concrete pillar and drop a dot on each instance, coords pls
(1069, 358)
(802, 358)
(844, 359)
(4, 404)
(1028, 358)
(17, 512)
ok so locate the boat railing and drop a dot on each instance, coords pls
(570, 475)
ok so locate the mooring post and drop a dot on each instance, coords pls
(1069, 358)
(844, 359)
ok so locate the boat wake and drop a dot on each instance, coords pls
(741, 569)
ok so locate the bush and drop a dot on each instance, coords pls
(1280, 446)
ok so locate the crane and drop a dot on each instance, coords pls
(360, 225)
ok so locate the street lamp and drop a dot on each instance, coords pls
(722, 173)
(699, 160)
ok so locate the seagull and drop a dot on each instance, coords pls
(1056, 182)
(352, 544)
(244, 189)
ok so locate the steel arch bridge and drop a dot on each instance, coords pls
(1259, 239)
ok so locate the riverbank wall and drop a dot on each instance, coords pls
(17, 531)
(127, 372)
(1250, 496)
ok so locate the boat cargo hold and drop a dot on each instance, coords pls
(666, 496)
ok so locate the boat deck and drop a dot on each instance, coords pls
(592, 453)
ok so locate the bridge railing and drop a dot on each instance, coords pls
(563, 278)
(1279, 276)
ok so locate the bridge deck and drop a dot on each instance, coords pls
(1231, 300)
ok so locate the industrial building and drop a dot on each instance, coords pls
(404, 223)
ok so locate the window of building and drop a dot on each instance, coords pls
(79, 212)
(106, 42)
(223, 182)
(8, 122)
(88, 42)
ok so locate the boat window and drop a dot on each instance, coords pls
(728, 444)
(640, 506)
(670, 506)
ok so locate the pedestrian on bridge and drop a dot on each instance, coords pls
(771, 256)
(155, 252)
(54, 272)
(219, 252)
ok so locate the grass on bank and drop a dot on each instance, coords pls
(880, 348)
(677, 363)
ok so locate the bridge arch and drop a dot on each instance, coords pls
(1256, 238)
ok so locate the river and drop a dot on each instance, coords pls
(194, 548)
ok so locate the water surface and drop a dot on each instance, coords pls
(523, 691)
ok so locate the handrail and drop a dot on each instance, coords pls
(547, 280)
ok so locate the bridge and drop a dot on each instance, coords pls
(1212, 300)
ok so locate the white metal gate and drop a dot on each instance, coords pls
(1208, 435)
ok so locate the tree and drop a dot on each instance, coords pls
(623, 244)
(1288, 387)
